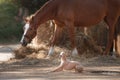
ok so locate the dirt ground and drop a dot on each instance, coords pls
(95, 68)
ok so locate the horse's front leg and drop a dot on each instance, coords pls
(56, 35)
(71, 30)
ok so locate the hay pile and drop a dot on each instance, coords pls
(89, 44)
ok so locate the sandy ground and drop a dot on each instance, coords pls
(97, 68)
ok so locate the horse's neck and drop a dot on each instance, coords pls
(44, 14)
(41, 17)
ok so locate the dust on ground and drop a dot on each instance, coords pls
(38, 68)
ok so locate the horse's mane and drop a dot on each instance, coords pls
(29, 18)
(45, 7)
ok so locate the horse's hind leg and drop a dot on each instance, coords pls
(115, 40)
(111, 21)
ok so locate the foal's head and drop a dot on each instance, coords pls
(29, 31)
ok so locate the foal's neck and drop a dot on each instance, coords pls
(64, 59)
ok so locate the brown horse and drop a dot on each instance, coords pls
(71, 13)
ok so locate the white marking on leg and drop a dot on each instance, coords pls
(27, 25)
(75, 51)
(51, 51)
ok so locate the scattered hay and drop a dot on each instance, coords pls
(22, 52)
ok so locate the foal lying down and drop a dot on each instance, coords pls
(68, 65)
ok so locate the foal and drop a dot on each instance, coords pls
(68, 65)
